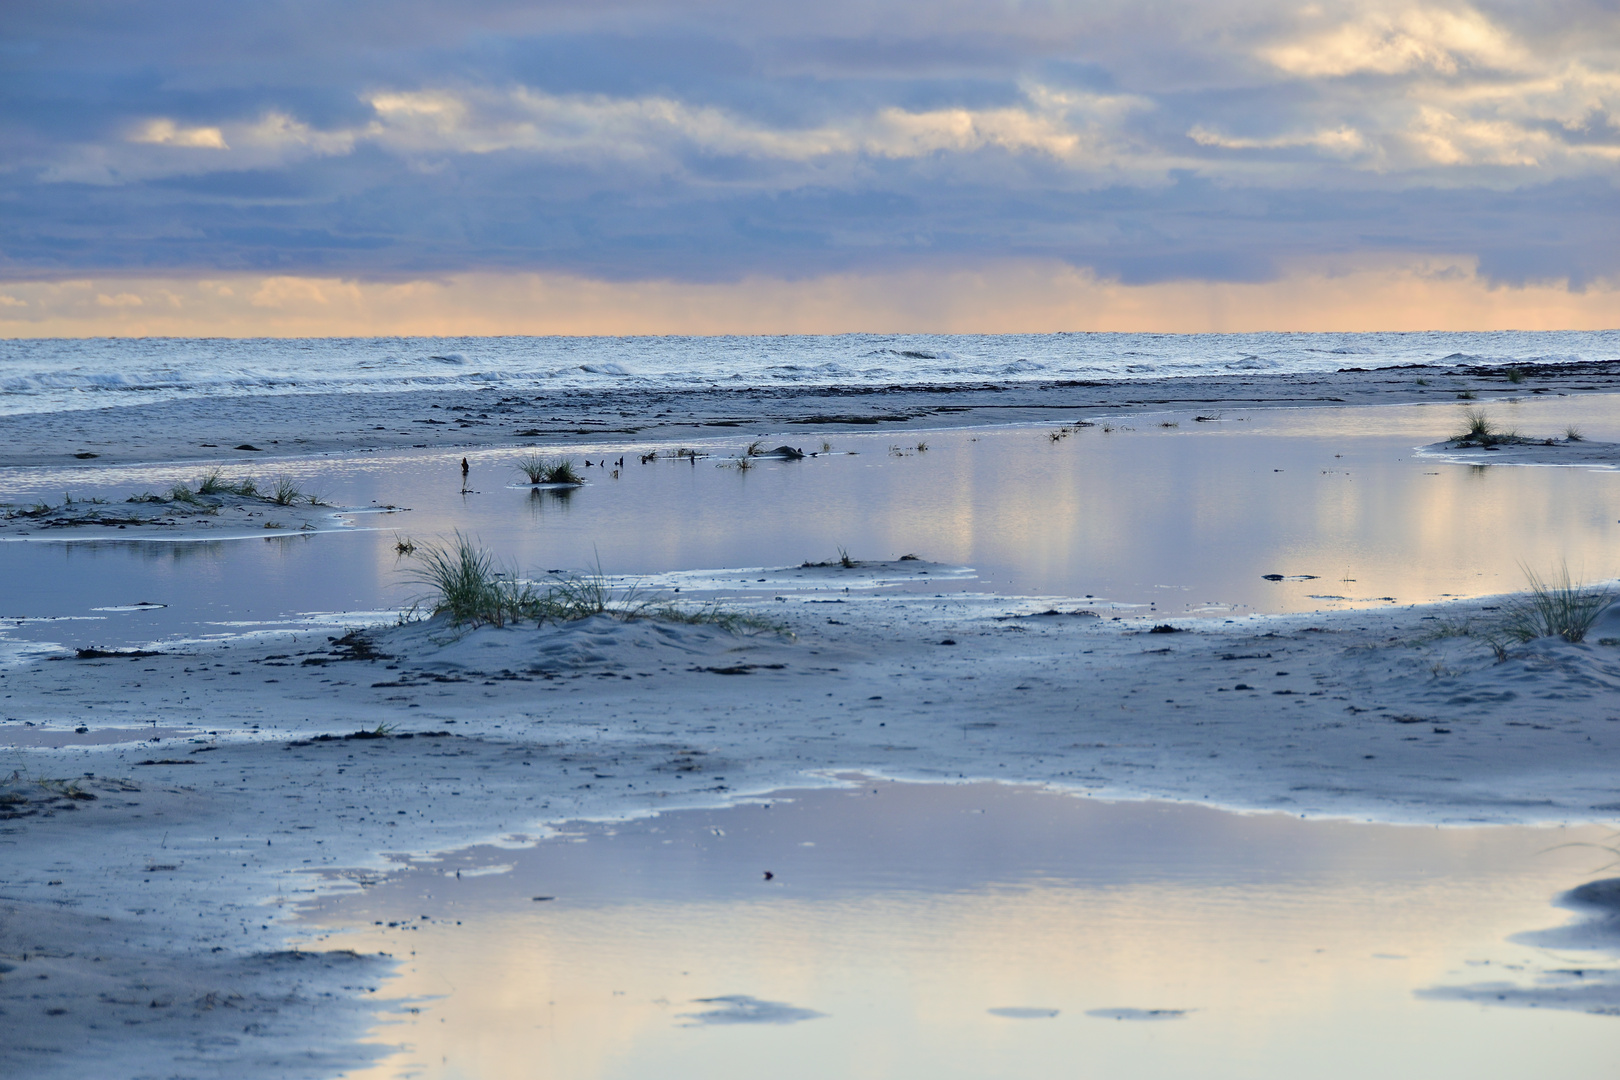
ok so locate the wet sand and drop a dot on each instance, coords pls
(300, 424)
(302, 763)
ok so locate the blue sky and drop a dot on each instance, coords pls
(704, 142)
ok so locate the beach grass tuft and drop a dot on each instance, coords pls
(466, 582)
(1479, 425)
(284, 492)
(213, 482)
(1555, 606)
(1574, 434)
(545, 470)
(1515, 375)
(583, 595)
(1479, 430)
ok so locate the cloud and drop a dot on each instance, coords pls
(1060, 124)
(717, 140)
(1443, 41)
(164, 132)
(1340, 141)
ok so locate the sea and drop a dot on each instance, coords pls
(59, 375)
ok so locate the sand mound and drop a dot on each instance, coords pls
(220, 515)
(1529, 452)
(602, 642)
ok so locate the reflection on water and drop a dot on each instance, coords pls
(895, 930)
(1186, 519)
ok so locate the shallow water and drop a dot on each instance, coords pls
(1159, 520)
(977, 930)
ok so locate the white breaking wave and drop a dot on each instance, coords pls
(52, 375)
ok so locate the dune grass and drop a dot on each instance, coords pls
(1479, 430)
(545, 470)
(467, 583)
(213, 482)
(1555, 606)
(284, 492)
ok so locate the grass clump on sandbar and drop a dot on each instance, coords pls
(1479, 430)
(466, 583)
(213, 482)
(544, 470)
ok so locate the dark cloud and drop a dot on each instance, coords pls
(705, 141)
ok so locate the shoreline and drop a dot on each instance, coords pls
(330, 423)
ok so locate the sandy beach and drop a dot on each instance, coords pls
(294, 424)
(169, 807)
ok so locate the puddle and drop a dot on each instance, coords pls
(981, 930)
(1334, 504)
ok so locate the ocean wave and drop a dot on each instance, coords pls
(384, 363)
(1251, 363)
(51, 375)
(911, 354)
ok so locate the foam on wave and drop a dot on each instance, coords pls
(63, 375)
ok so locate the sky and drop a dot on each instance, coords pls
(359, 166)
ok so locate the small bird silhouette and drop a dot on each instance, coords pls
(769, 876)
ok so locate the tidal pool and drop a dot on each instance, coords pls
(889, 929)
(1171, 520)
